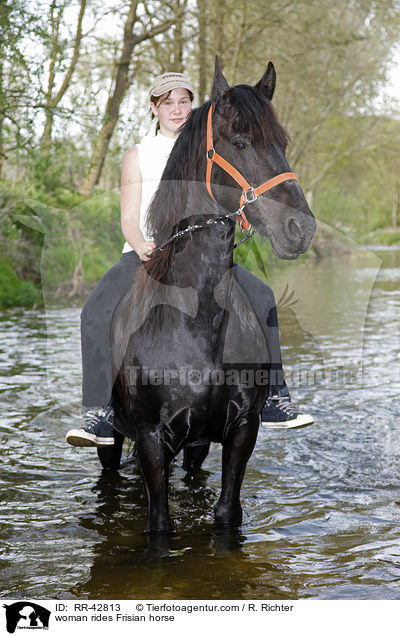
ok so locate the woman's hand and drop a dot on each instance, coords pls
(146, 248)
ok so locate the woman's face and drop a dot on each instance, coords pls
(172, 111)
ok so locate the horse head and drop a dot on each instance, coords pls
(247, 134)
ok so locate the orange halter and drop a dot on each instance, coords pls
(249, 194)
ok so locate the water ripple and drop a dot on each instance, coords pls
(321, 505)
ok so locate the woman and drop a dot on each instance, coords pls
(171, 96)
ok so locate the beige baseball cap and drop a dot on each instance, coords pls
(167, 82)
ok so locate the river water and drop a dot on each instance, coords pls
(321, 504)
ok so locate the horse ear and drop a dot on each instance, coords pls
(220, 85)
(266, 85)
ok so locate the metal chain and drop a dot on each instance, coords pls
(200, 226)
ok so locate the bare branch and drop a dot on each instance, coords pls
(75, 56)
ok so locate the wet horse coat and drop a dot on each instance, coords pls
(190, 356)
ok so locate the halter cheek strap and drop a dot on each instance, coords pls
(249, 194)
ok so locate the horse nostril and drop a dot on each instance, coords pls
(293, 230)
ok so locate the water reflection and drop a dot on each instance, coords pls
(138, 565)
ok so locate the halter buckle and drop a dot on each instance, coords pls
(242, 228)
(249, 196)
(208, 154)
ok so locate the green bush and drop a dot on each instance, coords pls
(14, 292)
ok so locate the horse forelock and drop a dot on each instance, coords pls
(247, 112)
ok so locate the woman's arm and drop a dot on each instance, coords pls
(131, 190)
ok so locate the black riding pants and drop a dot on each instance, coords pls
(99, 309)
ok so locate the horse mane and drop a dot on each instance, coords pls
(247, 112)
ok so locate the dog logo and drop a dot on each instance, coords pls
(194, 377)
(26, 615)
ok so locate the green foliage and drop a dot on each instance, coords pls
(47, 240)
(339, 208)
(60, 169)
(255, 254)
(382, 237)
(361, 190)
(14, 292)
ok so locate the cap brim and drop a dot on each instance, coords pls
(170, 87)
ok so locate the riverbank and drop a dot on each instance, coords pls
(56, 246)
(388, 236)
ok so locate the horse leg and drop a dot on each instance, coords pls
(154, 460)
(110, 456)
(194, 456)
(236, 452)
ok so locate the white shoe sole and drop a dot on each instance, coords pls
(79, 437)
(300, 422)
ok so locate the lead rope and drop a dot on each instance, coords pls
(247, 236)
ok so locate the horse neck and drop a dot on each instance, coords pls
(204, 255)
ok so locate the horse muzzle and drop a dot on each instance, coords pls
(291, 235)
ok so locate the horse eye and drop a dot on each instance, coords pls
(240, 144)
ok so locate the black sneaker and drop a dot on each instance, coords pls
(97, 429)
(279, 412)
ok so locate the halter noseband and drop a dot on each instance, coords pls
(249, 194)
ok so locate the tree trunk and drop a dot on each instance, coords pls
(219, 37)
(202, 21)
(238, 45)
(2, 108)
(3, 25)
(55, 27)
(395, 202)
(53, 101)
(178, 39)
(121, 85)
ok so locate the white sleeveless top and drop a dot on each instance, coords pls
(153, 152)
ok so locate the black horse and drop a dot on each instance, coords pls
(189, 346)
